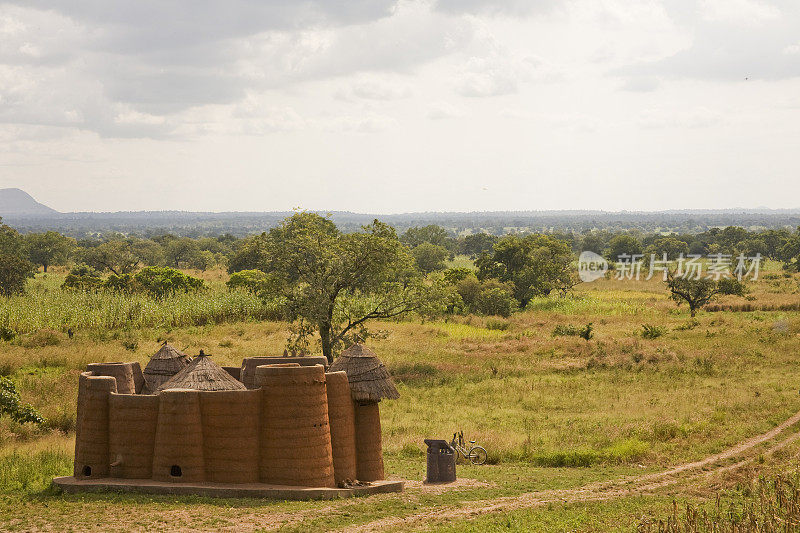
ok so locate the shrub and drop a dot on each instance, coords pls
(6, 333)
(496, 301)
(164, 281)
(42, 338)
(254, 281)
(11, 404)
(498, 325)
(651, 331)
(568, 330)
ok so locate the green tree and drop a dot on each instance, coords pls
(429, 257)
(14, 271)
(334, 283)
(50, 248)
(477, 244)
(697, 292)
(432, 233)
(667, 245)
(623, 245)
(251, 255)
(184, 252)
(535, 265)
(115, 255)
(14, 268)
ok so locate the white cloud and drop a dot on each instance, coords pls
(738, 12)
(443, 110)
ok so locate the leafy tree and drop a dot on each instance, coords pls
(12, 406)
(429, 257)
(698, 292)
(432, 234)
(14, 271)
(48, 248)
(116, 255)
(454, 275)
(477, 244)
(334, 283)
(594, 241)
(14, 268)
(251, 255)
(496, 301)
(184, 252)
(622, 245)
(790, 252)
(11, 243)
(667, 245)
(535, 265)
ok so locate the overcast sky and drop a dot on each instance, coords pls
(393, 106)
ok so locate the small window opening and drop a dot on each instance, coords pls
(87, 471)
(175, 471)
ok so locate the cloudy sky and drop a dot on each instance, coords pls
(392, 106)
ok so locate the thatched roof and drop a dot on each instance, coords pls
(166, 362)
(203, 374)
(368, 377)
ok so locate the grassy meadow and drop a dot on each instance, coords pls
(555, 411)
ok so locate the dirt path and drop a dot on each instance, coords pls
(599, 491)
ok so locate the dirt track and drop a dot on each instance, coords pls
(744, 451)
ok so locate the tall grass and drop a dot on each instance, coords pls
(769, 505)
(57, 309)
(32, 472)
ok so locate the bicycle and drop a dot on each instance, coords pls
(475, 455)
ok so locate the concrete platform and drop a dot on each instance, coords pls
(223, 490)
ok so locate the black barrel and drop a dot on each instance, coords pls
(441, 466)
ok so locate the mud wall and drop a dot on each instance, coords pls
(91, 428)
(295, 440)
(369, 453)
(341, 417)
(178, 452)
(230, 435)
(131, 434)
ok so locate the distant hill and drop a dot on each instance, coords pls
(16, 202)
(25, 214)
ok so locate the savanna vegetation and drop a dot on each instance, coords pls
(567, 384)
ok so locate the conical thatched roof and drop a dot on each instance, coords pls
(166, 362)
(368, 377)
(203, 374)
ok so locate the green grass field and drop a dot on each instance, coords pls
(555, 411)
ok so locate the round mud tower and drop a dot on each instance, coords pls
(91, 429)
(295, 441)
(178, 451)
(131, 435)
(341, 417)
(122, 372)
(230, 435)
(369, 456)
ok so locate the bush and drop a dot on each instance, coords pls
(568, 330)
(11, 404)
(254, 281)
(498, 325)
(42, 338)
(164, 281)
(496, 301)
(652, 332)
(7, 334)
